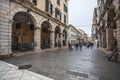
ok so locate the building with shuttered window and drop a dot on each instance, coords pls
(33, 25)
(109, 24)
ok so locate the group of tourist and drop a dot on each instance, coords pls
(80, 45)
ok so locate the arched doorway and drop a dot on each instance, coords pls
(57, 36)
(64, 37)
(45, 35)
(22, 32)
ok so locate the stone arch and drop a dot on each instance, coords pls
(45, 35)
(57, 29)
(23, 31)
(41, 19)
(65, 33)
(21, 9)
(48, 23)
(53, 25)
(57, 35)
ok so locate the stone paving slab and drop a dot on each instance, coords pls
(85, 64)
(11, 72)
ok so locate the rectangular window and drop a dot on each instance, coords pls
(60, 15)
(57, 14)
(51, 9)
(18, 25)
(35, 2)
(65, 8)
(47, 6)
(58, 2)
(64, 18)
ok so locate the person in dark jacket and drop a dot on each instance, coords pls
(76, 45)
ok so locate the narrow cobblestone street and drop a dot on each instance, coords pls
(83, 64)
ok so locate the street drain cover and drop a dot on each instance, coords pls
(26, 66)
(77, 74)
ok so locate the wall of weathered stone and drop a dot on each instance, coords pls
(5, 29)
(118, 34)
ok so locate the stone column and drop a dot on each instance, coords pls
(37, 38)
(57, 38)
(109, 38)
(104, 39)
(6, 37)
(61, 39)
(118, 34)
(10, 36)
(100, 40)
(67, 40)
(52, 37)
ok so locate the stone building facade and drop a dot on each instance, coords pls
(74, 35)
(95, 28)
(84, 37)
(32, 25)
(109, 24)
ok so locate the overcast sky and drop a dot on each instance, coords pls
(81, 14)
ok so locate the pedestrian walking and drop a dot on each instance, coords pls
(59, 45)
(80, 46)
(91, 45)
(76, 46)
(88, 45)
(70, 46)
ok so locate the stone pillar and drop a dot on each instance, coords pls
(5, 28)
(100, 40)
(66, 42)
(61, 39)
(37, 39)
(57, 38)
(109, 38)
(118, 34)
(103, 39)
(10, 36)
(6, 37)
(52, 37)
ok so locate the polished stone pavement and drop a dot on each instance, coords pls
(11, 72)
(85, 64)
